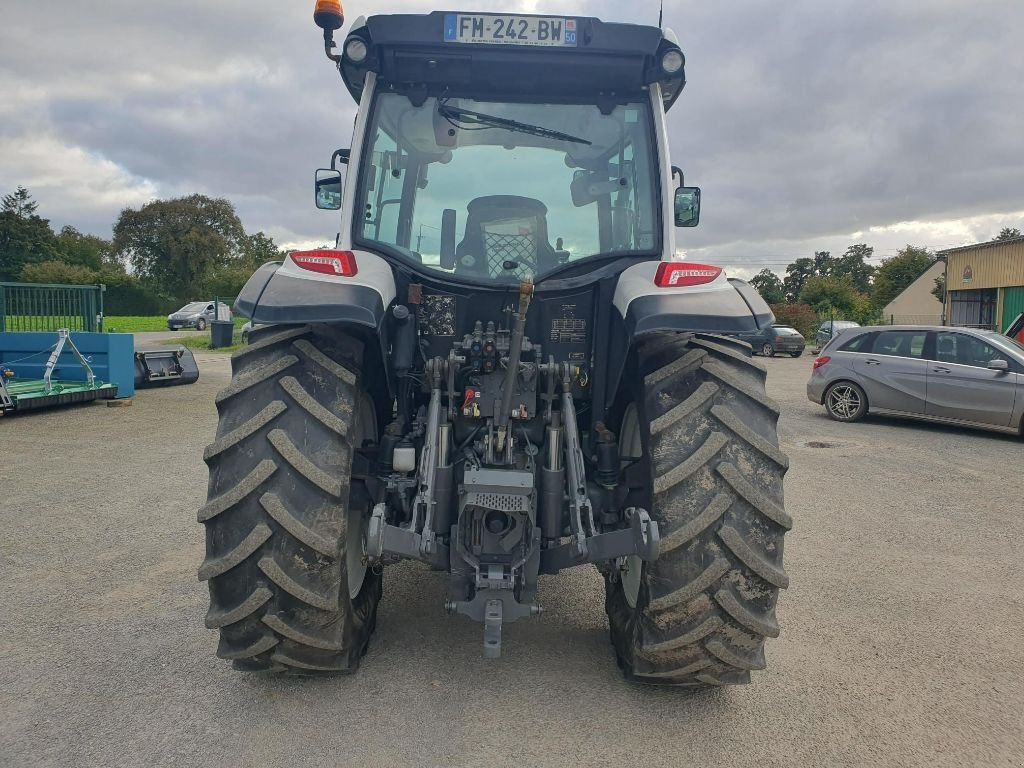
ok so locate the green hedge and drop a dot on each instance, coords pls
(136, 300)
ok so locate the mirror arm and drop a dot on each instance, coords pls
(677, 171)
(340, 154)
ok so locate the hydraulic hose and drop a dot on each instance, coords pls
(512, 371)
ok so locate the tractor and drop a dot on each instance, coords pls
(502, 369)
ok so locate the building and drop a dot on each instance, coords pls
(985, 283)
(917, 305)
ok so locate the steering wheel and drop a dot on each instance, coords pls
(516, 265)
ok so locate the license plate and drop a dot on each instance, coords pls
(510, 30)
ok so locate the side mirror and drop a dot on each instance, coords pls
(999, 365)
(448, 238)
(328, 189)
(687, 206)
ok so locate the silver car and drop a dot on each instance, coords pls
(831, 328)
(196, 315)
(957, 376)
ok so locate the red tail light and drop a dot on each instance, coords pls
(680, 274)
(327, 261)
(779, 339)
(820, 361)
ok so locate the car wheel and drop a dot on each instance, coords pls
(768, 350)
(845, 401)
(200, 324)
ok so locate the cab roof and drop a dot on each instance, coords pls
(609, 60)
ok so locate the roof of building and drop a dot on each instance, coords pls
(988, 244)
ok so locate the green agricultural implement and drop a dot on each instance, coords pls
(24, 394)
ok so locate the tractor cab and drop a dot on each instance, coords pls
(495, 148)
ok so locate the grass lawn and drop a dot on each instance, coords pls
(133, 323)
(202, 343)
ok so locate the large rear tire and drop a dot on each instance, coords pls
(289, 589)
(704, 432)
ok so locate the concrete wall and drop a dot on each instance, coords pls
(916, 305)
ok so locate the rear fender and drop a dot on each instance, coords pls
(282, 293)
(725, 306)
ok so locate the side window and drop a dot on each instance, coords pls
(961, 349)
(384, 190)
(900, 343)
(861, 343)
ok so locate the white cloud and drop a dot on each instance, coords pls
(77, 185)
(810, 126)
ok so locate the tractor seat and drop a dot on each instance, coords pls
(501, 229)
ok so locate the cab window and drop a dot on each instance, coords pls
(900, 343)
(960, 349)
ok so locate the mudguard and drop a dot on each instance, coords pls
(724, 306)
(282, 293)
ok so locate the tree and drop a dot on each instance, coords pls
(180, 244)
(830, 296)
(797, 274)
(85, 250)
(835, 297)
(939, 291)
(802, 270)
(20, 203)
(770, 286)
(259, 249)
(60, 272)
(799, 316)
(899, 271)
(1007, 233)
(853, 266)
(25, 238)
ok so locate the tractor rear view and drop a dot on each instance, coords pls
(501, 370)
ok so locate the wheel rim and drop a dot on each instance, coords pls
(844, 401)
(356, 520)
(631, 447)
(767, 350)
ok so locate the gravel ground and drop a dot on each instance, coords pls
(900, 644)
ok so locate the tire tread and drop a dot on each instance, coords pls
(707, 605)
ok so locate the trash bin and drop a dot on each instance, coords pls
(220, 333)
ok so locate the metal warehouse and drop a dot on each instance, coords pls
(985, 283)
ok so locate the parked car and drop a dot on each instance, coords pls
(830, 329)
(775, 339)
(196, 315)
(1016, 329)
(962, 376)
(246, 330)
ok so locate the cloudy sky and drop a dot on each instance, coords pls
(808, 124)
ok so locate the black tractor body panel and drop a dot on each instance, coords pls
(283, 299)
(605, 57)
(271, 297)
(726, 312)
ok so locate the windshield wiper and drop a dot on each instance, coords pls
(493, 121)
